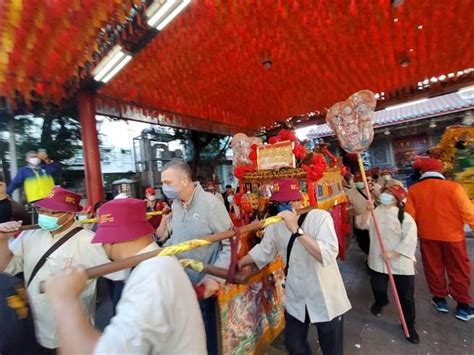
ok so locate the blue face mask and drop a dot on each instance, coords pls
(48, 223)
(170, 191)
(286, 206)
(360, 185)
(386, 199)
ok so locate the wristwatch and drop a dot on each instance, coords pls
(299, 232)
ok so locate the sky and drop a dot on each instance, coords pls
(120, 133)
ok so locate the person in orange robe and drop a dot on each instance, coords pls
(440, 209)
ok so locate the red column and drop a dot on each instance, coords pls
(90, 146)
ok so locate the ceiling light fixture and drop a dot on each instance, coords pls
(397, 3)
(111, 64)
(161, 14)
(386, 132)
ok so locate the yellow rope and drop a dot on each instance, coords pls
(148, 215)
(271, 220)
(183, 247)
(192, 264)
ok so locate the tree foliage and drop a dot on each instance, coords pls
(203, 149)
(55, 129)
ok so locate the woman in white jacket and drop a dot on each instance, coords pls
(399, 234)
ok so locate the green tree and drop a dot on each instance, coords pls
(55, 129)
(21, 126)
(203, 149)
(60, 133)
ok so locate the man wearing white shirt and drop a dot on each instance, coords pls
(158, 312)
(314, 289)
(57, 222)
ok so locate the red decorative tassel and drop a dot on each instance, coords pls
(312, 196)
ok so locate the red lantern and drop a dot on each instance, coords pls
(299, 151)
(287, 135)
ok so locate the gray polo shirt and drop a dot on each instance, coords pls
(204, 214)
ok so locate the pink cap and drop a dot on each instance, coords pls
(61, 200)
(121, 221)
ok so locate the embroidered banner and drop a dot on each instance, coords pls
(252, 315)
(276, 156)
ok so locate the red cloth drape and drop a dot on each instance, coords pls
(339, 216)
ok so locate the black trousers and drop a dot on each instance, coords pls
(46, 351)
(405, 289)
(330, 335)
(363, 239)
(209, 316)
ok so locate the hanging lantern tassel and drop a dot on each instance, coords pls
(352, 122)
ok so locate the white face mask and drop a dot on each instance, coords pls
(387, 177)
(386, 199)
(35, 161)
(151, 198)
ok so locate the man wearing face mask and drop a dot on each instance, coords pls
(314, 289)
(158, 312)
(29, 254)
(196, 213)
(36, 176)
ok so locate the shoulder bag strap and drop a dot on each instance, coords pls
(50, 251)
(292, 241)
(362, 194)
